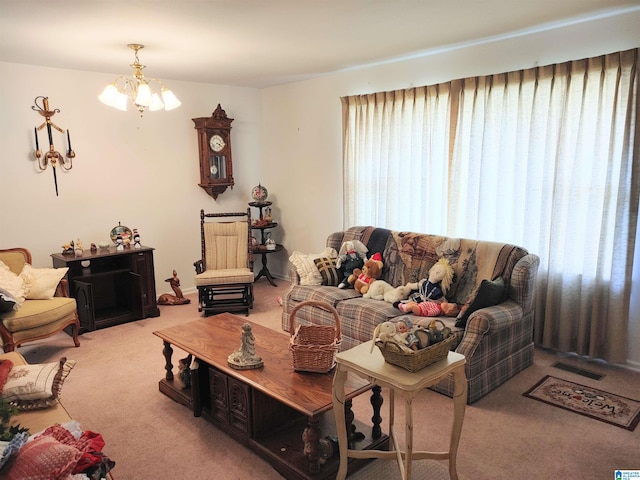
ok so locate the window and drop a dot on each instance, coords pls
(545, 158)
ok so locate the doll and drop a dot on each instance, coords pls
(430, 301)
(405, 329)
(352, 255)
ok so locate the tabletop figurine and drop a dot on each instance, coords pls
(119, 243)
(178, 298)
(136, 239)
(245, 357)
(78, 248)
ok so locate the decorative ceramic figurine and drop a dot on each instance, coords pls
(270, 243)
(259, 193)
(245, 357)
(136, 239)
(78, 249)
(119, 246)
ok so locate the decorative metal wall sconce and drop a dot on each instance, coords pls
(51, 157)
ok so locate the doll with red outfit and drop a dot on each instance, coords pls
(429, 300)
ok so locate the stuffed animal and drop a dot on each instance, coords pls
(430, 301)
(371, 270)
(352, 255)
(377, 289)
(399, 293)
(381, 290)
(388, 332)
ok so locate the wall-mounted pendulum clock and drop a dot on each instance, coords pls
(214, 146)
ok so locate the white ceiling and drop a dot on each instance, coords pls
(260, 43)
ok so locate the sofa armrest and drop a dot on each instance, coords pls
(62, 290)
(294, 278)
(495, 318)
(522, 287)
(488, 321)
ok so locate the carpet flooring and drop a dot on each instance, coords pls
(113, 390)
(588, 401)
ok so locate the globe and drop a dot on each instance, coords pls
(259, 193)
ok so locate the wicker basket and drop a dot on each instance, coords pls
(314, 347)
(418, 359)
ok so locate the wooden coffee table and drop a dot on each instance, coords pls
(269, 409)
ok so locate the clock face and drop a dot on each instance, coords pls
(217, 143)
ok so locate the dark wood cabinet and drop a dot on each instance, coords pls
(111, 287)
(235, 407)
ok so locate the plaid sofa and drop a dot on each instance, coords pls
(497, 341)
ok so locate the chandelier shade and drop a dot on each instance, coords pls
(138, 90)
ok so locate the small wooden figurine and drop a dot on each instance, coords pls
(178, 298)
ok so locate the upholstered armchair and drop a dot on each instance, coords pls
(37, 305)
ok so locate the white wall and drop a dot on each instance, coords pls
(143, 172)
(302, 122)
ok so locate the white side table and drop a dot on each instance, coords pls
(372, 367)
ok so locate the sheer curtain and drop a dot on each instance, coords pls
(546, 158)
(395, 151)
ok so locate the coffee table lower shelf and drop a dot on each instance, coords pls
(283, 447)
(283, 450)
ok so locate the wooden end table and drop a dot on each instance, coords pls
(371, 365)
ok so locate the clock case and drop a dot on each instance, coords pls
(216, 168)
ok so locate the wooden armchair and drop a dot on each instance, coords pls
(36, 319)
(224, 274)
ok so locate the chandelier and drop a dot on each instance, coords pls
(138, 89)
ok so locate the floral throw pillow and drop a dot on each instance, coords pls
(31, 387)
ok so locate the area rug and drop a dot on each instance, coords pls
(588, 401)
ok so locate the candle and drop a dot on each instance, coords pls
(49, 133)
(69, 140)
(35, 131)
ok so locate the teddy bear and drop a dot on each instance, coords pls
(429, 300)
(352, 255)
(371, 270)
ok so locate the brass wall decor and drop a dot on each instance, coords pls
(51, 157)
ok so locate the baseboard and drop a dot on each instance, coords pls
(631, 365)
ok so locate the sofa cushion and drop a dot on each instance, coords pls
(488, 294)
(330, 274)
(35, 313)
(42, 281)
(306, 267)
(224, 277)
(321, 293)
(13, 284)
(409, 256)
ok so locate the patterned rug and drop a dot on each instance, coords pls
(588, 401)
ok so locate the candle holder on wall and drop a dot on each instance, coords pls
(51, 157)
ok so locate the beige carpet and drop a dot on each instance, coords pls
(113, 390)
